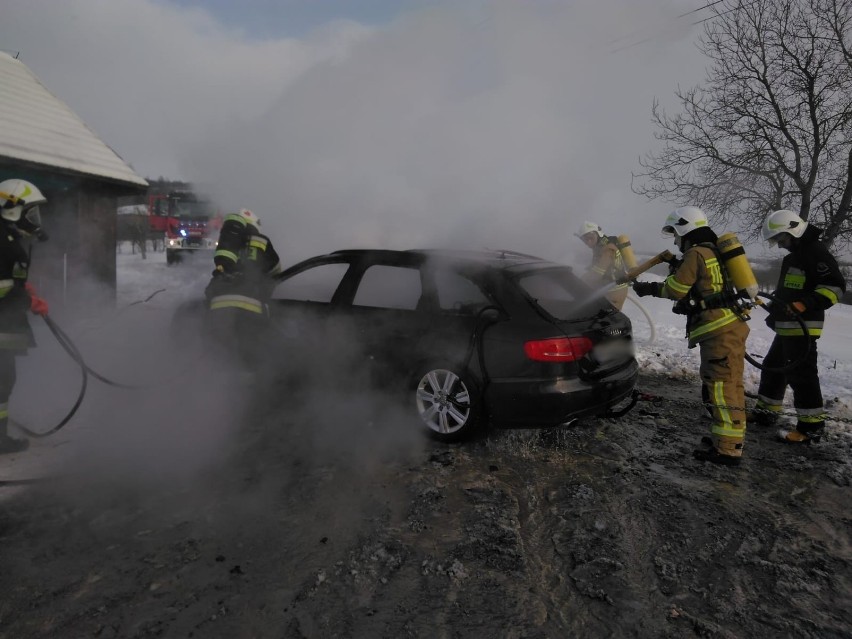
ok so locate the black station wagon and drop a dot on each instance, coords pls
(472, 337)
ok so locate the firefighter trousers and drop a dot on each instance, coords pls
(7, 383)
(617, 296)
(240, 336)
(802, 378)
(722, 365)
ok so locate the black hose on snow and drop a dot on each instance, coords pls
(71, 349)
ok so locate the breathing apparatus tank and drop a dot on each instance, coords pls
(735, 260)
(622, 242)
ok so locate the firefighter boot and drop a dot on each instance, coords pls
(799, 436)
(726, 451)
(12, 445)
(714, 456)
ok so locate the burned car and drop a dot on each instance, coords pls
(469, 337)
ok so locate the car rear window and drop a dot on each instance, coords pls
(560, 293)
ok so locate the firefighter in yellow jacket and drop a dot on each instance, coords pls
(704, 293)
(607, 263)
(242, 283)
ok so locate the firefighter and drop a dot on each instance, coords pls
(704, 293)
(810, 282)
(242, 282)
(607, 263)
(19, 202)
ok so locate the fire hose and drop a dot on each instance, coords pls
(652, 338)
(85, 369)
(743, 303)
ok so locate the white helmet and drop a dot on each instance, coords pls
(18, 196)
(589, 227)
(249, 217)
(684, 220)
(783, 222)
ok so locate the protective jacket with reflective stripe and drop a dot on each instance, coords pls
(701, 277)
(809, 274)
(607, 263)
(15, 331)
(245, 262)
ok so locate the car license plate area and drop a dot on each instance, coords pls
(607, 357)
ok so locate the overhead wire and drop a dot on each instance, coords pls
(706, 6)
(675, 23)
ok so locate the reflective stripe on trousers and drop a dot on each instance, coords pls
(14, 341)
(236, 301)
(722, 365)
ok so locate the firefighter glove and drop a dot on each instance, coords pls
(37, 304)
(646, 288)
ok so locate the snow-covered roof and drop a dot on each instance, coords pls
(133, 209)
(38, 127)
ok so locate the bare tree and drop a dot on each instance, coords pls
(771, 127)
(133, 228)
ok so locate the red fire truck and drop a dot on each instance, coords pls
(189, 223)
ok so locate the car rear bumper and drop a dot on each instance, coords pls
(514, 403)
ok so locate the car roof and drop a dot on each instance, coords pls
(494, 258)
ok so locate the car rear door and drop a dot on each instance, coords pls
(409, 313)
(385, 318)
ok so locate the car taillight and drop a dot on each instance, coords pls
(558, 349)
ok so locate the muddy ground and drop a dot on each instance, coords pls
(607, 528)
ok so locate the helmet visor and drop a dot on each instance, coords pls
(773, 241)
(33, 216)
(667, 231)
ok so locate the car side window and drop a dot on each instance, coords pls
(316, 284)
(384, 286)
(459, 294)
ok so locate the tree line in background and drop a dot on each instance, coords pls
(771, 127)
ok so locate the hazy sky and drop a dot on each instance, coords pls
(388, 123)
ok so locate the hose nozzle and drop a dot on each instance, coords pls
(632, 274)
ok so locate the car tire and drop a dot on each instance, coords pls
(448, 401)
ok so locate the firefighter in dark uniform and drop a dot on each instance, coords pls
(19, 202)
(704, 292)
(607, 263)
(242, 282)
(809, 283)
